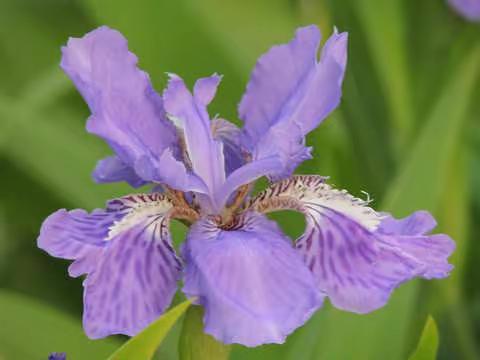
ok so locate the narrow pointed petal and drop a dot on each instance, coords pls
(126, 111)
(289, 94)
(205, 153)
(112, 169)
(126, 252)
(244, 175)
(253, 285)
(358, 256)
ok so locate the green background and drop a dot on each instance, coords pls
(407, 132)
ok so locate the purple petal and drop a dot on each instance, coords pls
(76, 235)
(126, 252)
(133, 283)
(229, 135)
(126, 111)
(205, 153)
(112, 169)
(469, 9)
(420, 222)
(244, 175)
(358, 256)
(289, 94)
(169, 170)
(408, 236)
(253, 285)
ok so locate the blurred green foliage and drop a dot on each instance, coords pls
(407, 132)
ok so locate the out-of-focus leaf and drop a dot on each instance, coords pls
(428, 344)
(195, 344)
(384, 26)
(420, 184)
(56, 150)
(144, 345)
(31, 33)
(455, 221)
(31, 330)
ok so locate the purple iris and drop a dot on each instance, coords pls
(57, 356)
(469, 9)
(255, 284)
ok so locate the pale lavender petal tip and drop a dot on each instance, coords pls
(469, 9)
(254, 287)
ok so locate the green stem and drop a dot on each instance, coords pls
(194, 344)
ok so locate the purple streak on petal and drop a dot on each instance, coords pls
(112, 169)
(408, 236)
(359, 268)
(205, 153)
(253, 285)
(469, 9)
(229, 135)
(290, 94)
(76, 235)
(126, 111)
(244, 175)
(127, 254)
(133, 283)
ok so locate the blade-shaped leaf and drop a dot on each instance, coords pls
(144, 345)
(195, 344)
(428, 344)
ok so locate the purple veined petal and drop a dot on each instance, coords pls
(206, 154)
(171, 171)
(76, 235)
(418, 223)
(289, 94)
(358, 256)
(126, 111)
(229, 135)
(244, 175)
(253, 285)
(112, 169)
(410, 237)
(469, 9)
(126, 252)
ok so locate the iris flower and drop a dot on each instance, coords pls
(469, 9)
(255, 284)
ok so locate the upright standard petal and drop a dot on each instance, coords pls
(126, 252)
(253, 285)
(289, 94)
(357, 255)
(126, 111)
(190, 112)
(469, 9)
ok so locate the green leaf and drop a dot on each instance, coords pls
(428, 344)
(144, 345)
(60, 154)
(195, 344)
(32, 330)
(384, 26)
